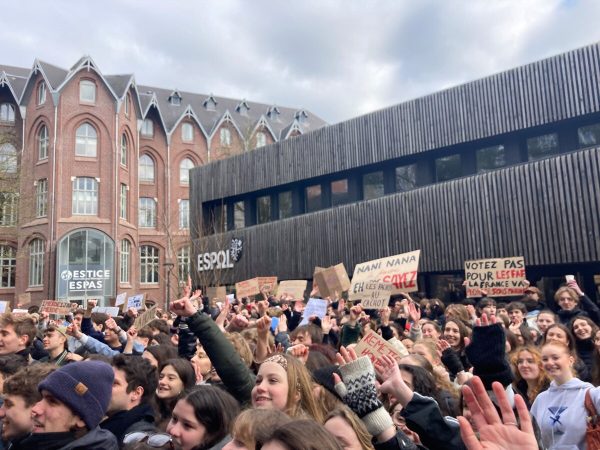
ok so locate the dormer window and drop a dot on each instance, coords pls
(210, 103)
(41, 93)
(301, 116)
(273, 113)
(175, 99)
(242, 108)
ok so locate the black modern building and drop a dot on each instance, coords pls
(508, 165)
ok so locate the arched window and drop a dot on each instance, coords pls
(184, 170)
(7, 113)
(183, 264)
(8, 158)
(125, 261)
(86, 140)
(36, 263)
(43, 141)
(187, 132)
(146, 168)
(8, 265)
(124, 150)
(261, 139)
(225, 137)
(149, 260)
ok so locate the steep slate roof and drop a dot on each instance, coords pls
(191, 103)
(16, 78)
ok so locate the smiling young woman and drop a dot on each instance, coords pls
(530, 377)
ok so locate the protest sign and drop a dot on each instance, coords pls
(267, 284)
(24, 300)
(56, 308)
(19, 312)
(331, 280)
(120, 300)
(374, 346)
(137, 302)
(112, 311)
(293, 288)
(3, 307)
(399, 270)
(145, 318)
(247, 288)
(219, 293)
(314, 307)
(372, 294)
(501, 277)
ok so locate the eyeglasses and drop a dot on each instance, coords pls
(154, 440)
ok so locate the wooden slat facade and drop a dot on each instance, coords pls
(552, 90)
(547, 211)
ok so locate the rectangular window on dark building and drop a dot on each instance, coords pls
(542, 146)
(314, 198)
(285, 204)
(406, 178)
(239, 215)
(589, 135)
(447, 168)
(263, 209)
(373, 185)
(490, 158)
(339, 192)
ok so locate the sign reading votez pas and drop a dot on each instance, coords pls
(500, 277)
(400, 271)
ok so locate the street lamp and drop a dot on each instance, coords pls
(169, 267)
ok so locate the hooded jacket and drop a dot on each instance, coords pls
(561, 414)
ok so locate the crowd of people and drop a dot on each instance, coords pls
(255, 373)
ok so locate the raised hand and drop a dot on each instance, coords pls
(73, 330)
(326, 324)
(495, 432)
(183, 307)
(263, 325)
(414, 313)
(300, 351)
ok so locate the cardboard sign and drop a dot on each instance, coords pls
(3, 307)
(19, 312)
(314, 307)
(501, 277)
(294, 288)
(331, 280)
(219, 293)
(372, 294)
(247, 288)
(120, 300)
(145, 318)
(400, 271)
(137, 302)
(54, 307)
(24, 300)
(267, 285)
(374, 346)
(112, 311)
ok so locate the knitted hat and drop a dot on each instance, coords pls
(85, 387)
(398, 345)
(324, 377)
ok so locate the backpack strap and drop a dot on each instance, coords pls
(591, 409)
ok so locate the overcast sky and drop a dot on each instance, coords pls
(336, 58)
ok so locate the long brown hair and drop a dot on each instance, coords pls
(364, 438)
(542, 381)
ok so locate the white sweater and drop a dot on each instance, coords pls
(561, 415)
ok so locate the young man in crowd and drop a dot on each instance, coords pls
(16, 335)
(130, 407)
(75, 398)
(55, 343)
(20, 394)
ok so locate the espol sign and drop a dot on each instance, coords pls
(214, 260)
(83, 280)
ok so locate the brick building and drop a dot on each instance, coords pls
(94, 177)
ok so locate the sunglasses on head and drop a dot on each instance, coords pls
(155, 440)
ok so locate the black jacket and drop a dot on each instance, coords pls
(140, 418)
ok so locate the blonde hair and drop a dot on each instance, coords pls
(242, 347)
(568, 290)
(254, 426)
(364, 438)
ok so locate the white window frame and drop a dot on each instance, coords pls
(85, 196)
(261, 139)
(187, 132)
(124, 150)
(147, 212)
(8, 266)
(145, 169)
(184, 214)
(123, 202)
(149, 264)
(86, 140)
(9, 202)
(127, 100)
(41, 93)
(41, 198)
(225, 136)
(87, 87)
(147, 129)
(43, 139)
(125, 258)
(183, 263)
(7, 113)
(8, 158)
(184, 171)
(36, 263)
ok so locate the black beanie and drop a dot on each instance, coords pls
(324, 377)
